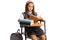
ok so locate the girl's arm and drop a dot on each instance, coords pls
(21, 17)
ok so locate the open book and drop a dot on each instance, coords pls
(35, 18)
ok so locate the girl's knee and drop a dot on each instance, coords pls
(33, 37)
(42, 37)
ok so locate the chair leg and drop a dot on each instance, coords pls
(25, 35)
(45, 30)
(21, 29)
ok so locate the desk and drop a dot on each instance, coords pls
(29, 23)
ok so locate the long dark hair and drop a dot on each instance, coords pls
(26, 8)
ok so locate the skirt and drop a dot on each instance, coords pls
(34, 31)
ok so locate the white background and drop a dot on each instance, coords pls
(10, 11)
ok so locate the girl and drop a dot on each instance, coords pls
(32, 32)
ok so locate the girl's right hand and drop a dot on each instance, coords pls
(19, 20)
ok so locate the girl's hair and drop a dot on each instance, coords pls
(26, 7)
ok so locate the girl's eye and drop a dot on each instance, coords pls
(30, 6)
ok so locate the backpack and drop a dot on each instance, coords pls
(16, 36)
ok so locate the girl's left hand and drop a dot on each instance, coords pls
(40, 18)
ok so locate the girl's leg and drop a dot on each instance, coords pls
(33, 37)
(42, 37)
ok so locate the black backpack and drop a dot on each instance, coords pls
(16, 36)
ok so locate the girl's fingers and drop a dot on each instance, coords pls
(40, 18)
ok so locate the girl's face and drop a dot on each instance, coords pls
(30, 7)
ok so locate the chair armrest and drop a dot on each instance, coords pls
(41, 20)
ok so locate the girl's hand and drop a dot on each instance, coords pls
(19, 20)
(40, 18)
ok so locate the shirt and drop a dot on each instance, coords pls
(22, 17)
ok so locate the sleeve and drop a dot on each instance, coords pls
(21, 16)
